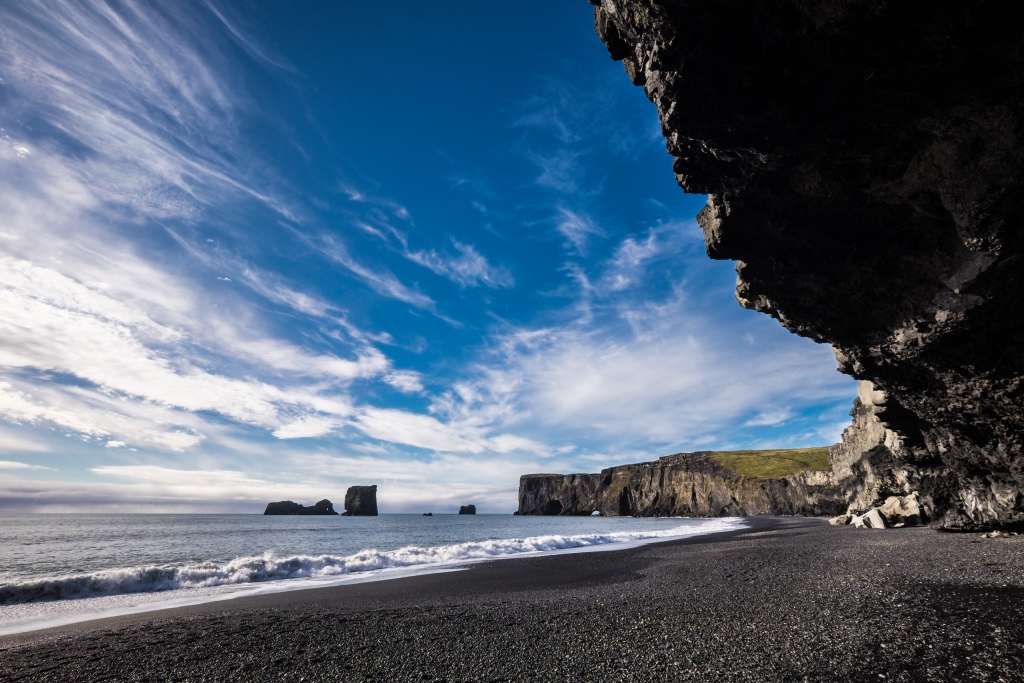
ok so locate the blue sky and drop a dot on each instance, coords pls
(255, 251)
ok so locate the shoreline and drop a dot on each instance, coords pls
(137, 603)
(783, 599)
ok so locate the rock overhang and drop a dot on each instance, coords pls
(864, 167)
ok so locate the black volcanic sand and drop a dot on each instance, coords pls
(788, 600)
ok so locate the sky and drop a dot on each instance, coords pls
(254, 251)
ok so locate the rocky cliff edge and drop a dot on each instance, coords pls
(684, 484)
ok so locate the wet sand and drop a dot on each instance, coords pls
(789, 599)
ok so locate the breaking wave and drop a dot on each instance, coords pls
(245, 570)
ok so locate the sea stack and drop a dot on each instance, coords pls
(467, 510)
(361, 501)
(287, 507)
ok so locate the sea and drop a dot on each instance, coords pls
(65, 568)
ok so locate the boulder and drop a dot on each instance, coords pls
(901, 511)
(872, 519)
(467, 510)
(287, 507)
(361, 501)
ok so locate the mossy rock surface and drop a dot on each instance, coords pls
(773, 464)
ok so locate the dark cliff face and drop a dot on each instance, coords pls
(687, 484)
(865, 170)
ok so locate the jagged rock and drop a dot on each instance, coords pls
(895, 512)
(872, 519)
(905, 511)
(361, 501)
(864, 163)
(428, 514)
(287, 507)
(690, 484)
(467, 510)
(871, 463)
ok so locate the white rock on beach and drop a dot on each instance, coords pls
(872, 519)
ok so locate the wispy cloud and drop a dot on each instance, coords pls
(278, 290)
(405, 381)
(381, 281)
(255, 49)
(560, 171)
(584, 114)
(385, 207)
(273, 288)
(769, 418)
(469, 268)
(577, 228)
(307, 427)
(572, 128)
(629, 260)
(12, 465)
(13, 442)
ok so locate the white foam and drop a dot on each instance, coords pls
(44, 603)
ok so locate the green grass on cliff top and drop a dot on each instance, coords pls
(773, 464)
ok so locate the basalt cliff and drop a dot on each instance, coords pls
(684, 484)
(864, 167)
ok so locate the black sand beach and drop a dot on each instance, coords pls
(787, 600)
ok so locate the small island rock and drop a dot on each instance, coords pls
(361, 501)
(467, 510)
(287, 507)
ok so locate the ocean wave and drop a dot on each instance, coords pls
(267, 567)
